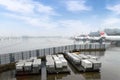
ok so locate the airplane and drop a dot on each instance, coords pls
(83, 38)
(109, 38)
(88, 38)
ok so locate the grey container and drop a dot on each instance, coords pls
(2, 59)
(47, 51)
(77, 47)
(33, 53)
(26, 55)
(51, 51)
(17, 56)
(92, 46)
(5, 59)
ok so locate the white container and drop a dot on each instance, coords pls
(63, 60)
(57, 61)
(50, 65)
(92, 57)
(36, 65)
(32, 59)
(76, 56)
(19, 66)
(50, 62)
(73, 58)
(86, 64)
(28, 66)
(60, 55)
(36, 62)
(55, 58)
(58, 64)
(83, 56)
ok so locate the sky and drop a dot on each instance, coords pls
(57, 17)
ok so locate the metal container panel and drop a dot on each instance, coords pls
(33, 53)
(42, 52)
(77, 47)
(2, 59)
(47, 51)
(92, 46)
(56, 50)
(51, 51)
(26, 55)
(95, 64)
(60, 49)
(17, 56)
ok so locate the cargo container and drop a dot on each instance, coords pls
(96, 65)
(77, 47)
(33, 53)
(77, 56)
(63, 60)
(36, 65)
(92, 57)
(86, 64)
(28, 66)
(32, 59)
(19, 66)
(73, 58)
(18, 56)
(57, 61)
(60, 55)
(51, 51)
(47, 51)
(41, 52)
(83, 56)
(50, 62)
(26, 55)
(5, 59)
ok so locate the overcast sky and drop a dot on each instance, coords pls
(57, 17)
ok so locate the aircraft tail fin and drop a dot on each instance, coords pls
(103, 34)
